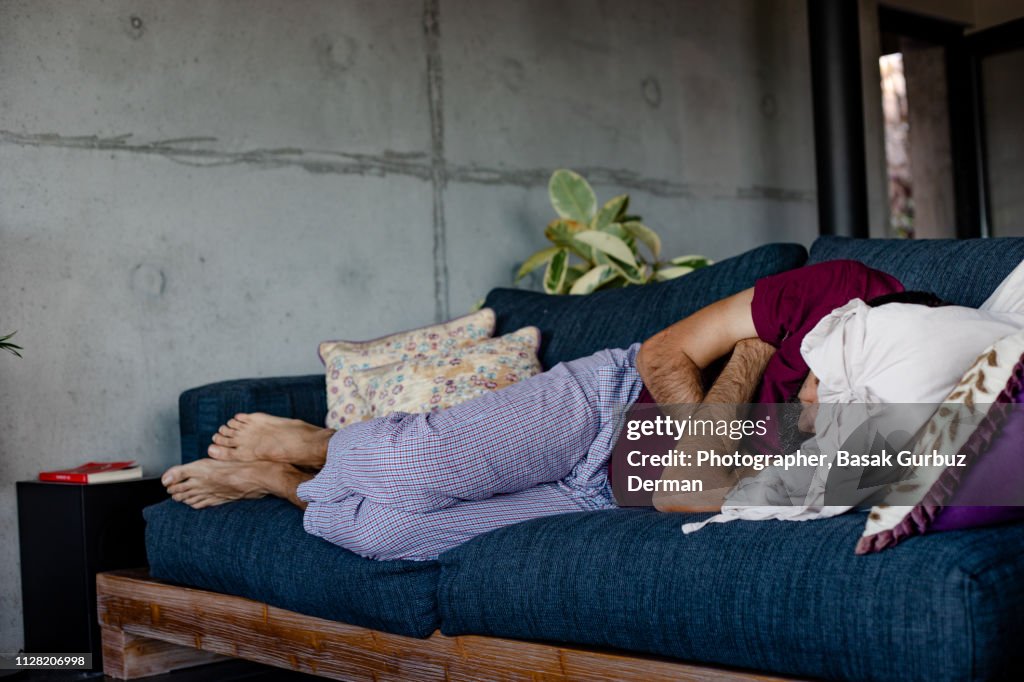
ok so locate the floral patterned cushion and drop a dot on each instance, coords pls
(341, 358)
(439, 382)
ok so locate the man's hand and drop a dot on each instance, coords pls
(742, 374)
(734, 387)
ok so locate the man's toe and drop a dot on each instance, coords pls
(182, 487)
(175, 474)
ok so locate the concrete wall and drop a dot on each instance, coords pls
(192, 191)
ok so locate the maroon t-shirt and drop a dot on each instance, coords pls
(788, 305)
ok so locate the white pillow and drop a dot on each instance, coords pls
(1009, 295)
(899, 352)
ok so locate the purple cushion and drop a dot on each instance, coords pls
(990, 489)
(998, 476)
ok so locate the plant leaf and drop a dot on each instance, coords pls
(592, 279)
(571, 196)
(535, 261)
(609, 244)
(610, 212)
(616, 230)
(619, 231)
(574, 273)
(10, 347)
(664, 274)
(554, 276)
(692, 260)
(562, 228)
(616, 282)
(646, 235)
(561, 232)
(634, 274)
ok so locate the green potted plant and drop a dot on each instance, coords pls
(603, 241)
(5, 344)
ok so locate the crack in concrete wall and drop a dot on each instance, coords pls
(435, 99)
(411, 164)
(597, 175)
(183, 151)
(775, 194)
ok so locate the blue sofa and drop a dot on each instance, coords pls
(789, 598)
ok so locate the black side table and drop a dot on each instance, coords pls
(68, 533)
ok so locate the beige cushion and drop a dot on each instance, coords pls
(341, 358)
(455, 376)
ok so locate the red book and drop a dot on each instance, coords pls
(94, 472)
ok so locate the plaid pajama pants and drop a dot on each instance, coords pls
(410, 486)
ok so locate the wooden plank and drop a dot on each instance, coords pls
(127, 656)
(133, 603)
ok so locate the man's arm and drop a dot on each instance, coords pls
(670, 362)
(734, 387)
(740, 376)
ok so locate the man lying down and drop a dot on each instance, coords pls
(410, 486)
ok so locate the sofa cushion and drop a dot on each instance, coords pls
(258, 549)
(343, 358)
(437, 382)
(961, 271)
(785, 597)
(576, 326)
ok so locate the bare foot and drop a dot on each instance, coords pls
(260, 437)
(208, 482)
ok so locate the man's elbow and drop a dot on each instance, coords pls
(642, 356)
(647, 358)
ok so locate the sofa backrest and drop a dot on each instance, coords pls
(576, 326)
(961, 271)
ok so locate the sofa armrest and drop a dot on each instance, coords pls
(202, 410)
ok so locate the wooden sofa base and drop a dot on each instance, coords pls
(150, 627)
